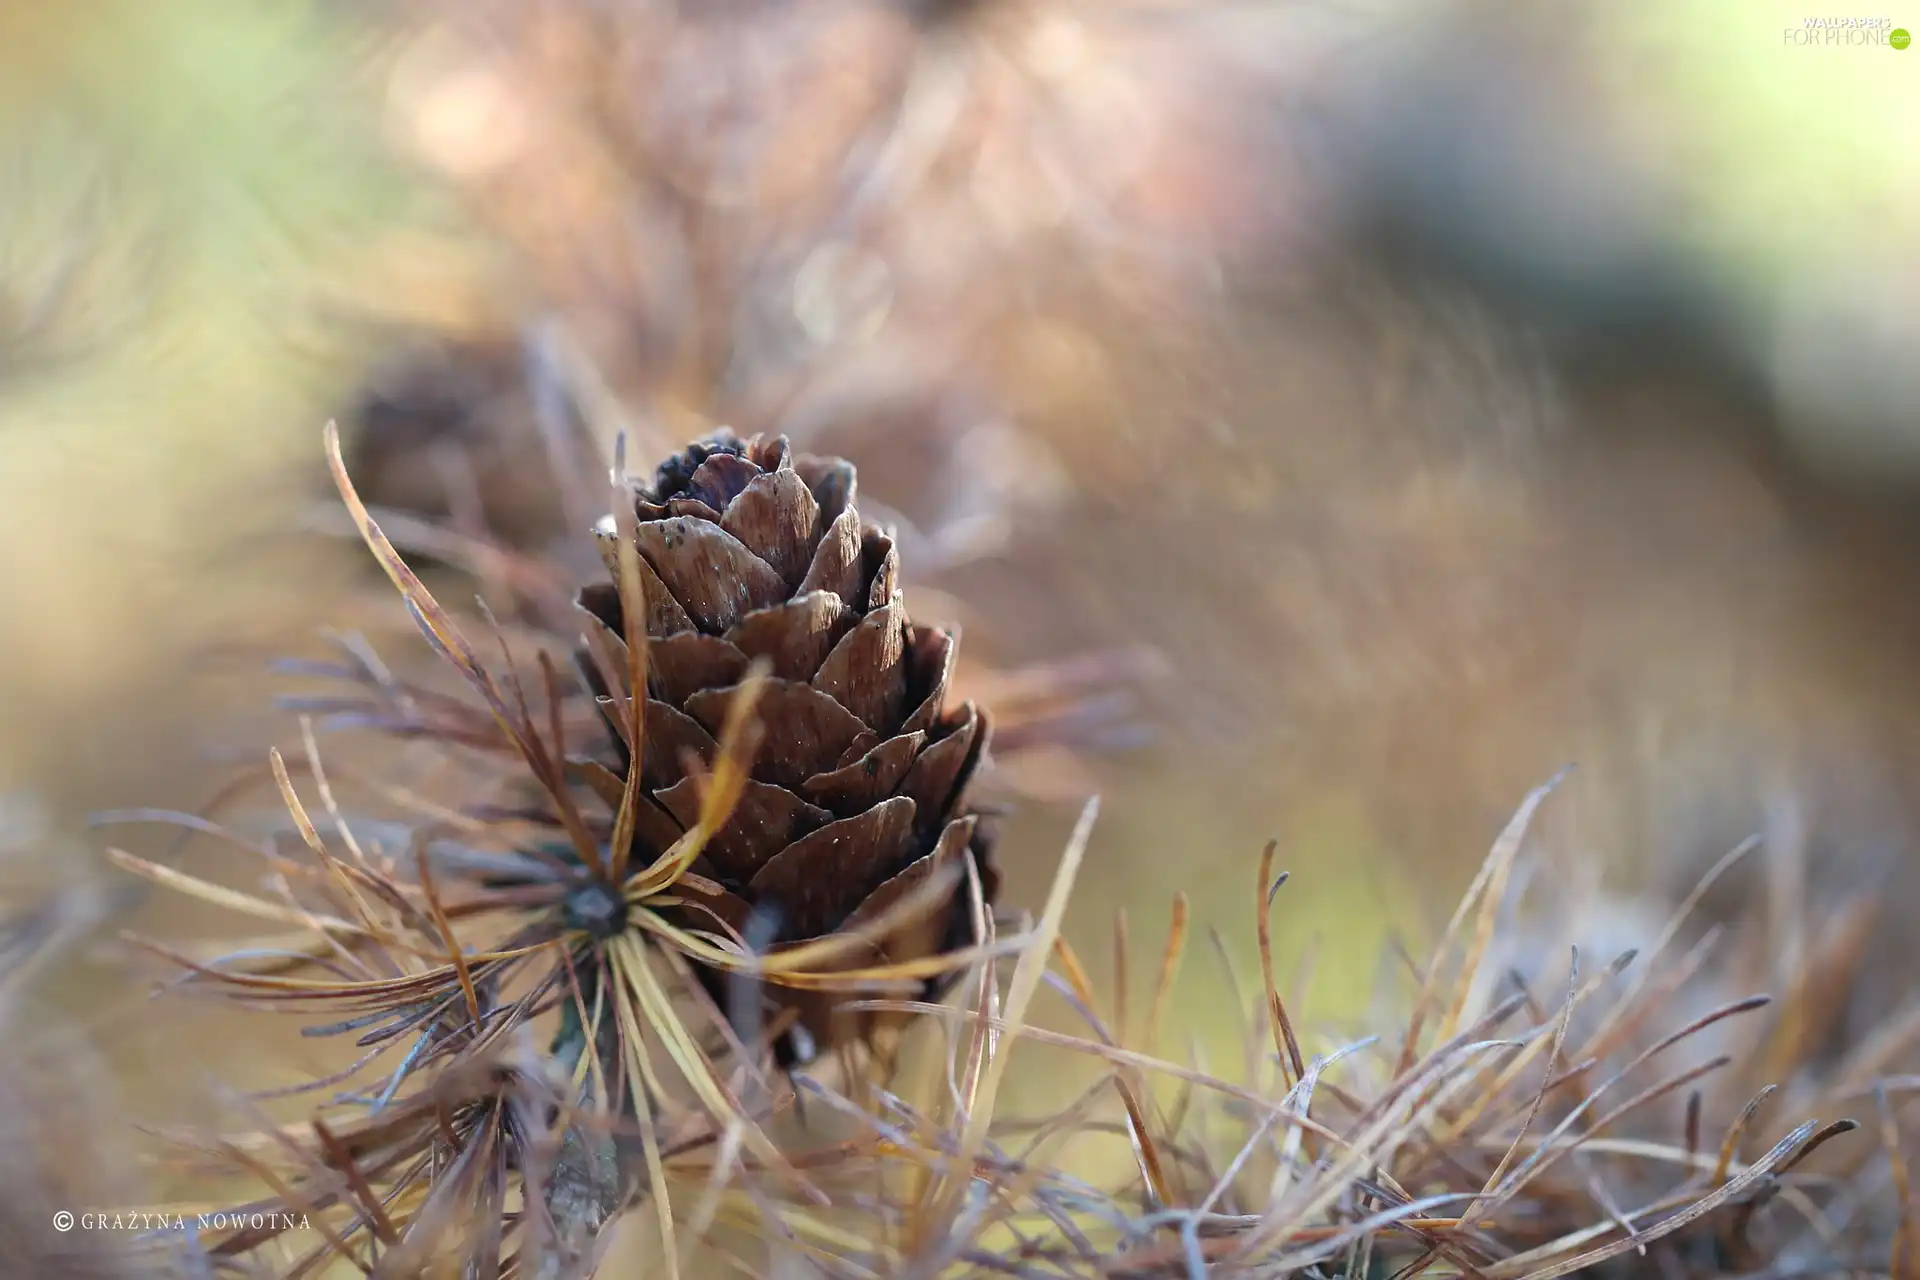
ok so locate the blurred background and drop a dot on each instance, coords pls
(1394, 403)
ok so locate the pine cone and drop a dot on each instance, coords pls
(859, 788)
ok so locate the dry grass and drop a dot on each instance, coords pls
(1470, 1135)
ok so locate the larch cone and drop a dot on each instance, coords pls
(859, 789)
